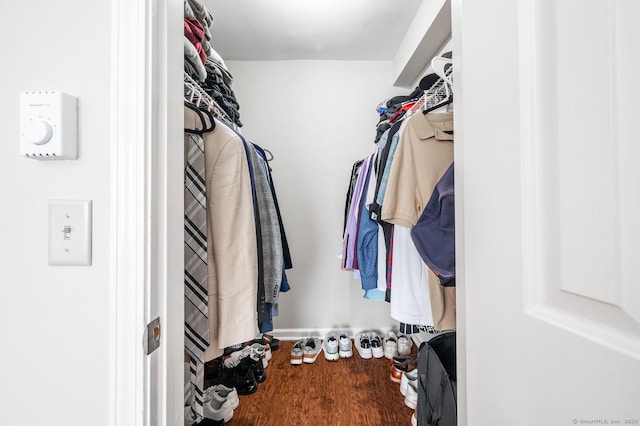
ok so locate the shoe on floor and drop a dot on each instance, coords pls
(390, 344)
(297, 352)
(414, 418)
(267, 339)
(311, 350)
(330, 346)
(408, 376)
(377, 351)
(216, 409)
(411, 399)
(223, 392)
(363, 345)
(345, 346)
(239, 377)
(404, 344)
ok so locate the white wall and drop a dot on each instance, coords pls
(317, 118)
(54, 320)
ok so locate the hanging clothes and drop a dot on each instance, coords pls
(413, 152)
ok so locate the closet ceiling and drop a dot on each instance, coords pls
(310, 29)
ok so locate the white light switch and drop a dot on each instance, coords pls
(70, 232)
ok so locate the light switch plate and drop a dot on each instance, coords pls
(70, 232)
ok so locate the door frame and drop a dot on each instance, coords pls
(146, 212)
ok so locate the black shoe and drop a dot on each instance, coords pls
(240, 377)
(256, 366)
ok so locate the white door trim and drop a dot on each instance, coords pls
(461, 329)
(128, 194)
(146, 229)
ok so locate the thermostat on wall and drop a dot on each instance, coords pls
(48, 125)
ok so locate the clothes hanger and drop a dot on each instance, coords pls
(440, 93)
(203, 120)
(439, 65)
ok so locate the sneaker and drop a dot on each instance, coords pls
(376, 345)
(330, 346)
(267, 339)
(363, 345)
(408, 376)
(216, 409)
(264, 351)
(229, 394)
(390, 344)
(297, 352)
(399, 367)
(414, 417)
(404, 344)
(312, 348)
(345, 346)
(411, 399)
(241, 378)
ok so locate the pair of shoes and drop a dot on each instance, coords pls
(337, 345)
(390, 344)
(402, 364)
(306, 350)
(404, 344)
(369, 344)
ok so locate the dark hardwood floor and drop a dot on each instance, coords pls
(346, 392)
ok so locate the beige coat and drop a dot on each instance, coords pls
(231, 239)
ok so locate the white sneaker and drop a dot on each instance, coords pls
(390, 344)
(345, 345)
(312, 348)
(404, 344)
(235, 357)
(223, 392)
(216, 409)
(255, 351)
(297, 352)
(376, 345)
(363, 345)
(264, 351)
(330, 346)
(414, 418)
(411, 398)
(411, 376)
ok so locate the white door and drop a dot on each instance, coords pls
(548, 204)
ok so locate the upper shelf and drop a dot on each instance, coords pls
(428, 32)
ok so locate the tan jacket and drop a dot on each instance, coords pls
(231, 239)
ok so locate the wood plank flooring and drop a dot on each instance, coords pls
(346, 392)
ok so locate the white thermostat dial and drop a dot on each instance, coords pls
(39, 132)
